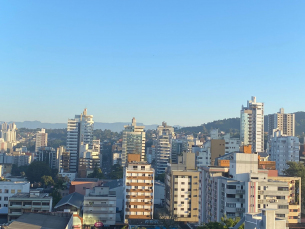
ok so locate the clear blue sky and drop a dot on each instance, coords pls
(184, 62)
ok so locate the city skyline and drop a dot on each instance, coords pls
(121, 60)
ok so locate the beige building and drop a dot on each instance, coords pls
(99, 206)
(28, 202)
(182, 189)
(283, 122)
(133, 141)
(294, 198)
(138, 189)
(41, 139)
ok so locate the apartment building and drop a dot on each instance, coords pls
(182, 189)
(99, 206)
(10, 188)
(138, 189)
(207, 154)
(133, 141)
(178, 147)
(252, 125)
(79, 131)
(41, 139)
(22, 159)
(48, 155)
(231, 144)
(34, 201)
(88, 160)
(294, 198)
(165, 134)
(283, 149)
(8, 132)
(283, 122)
(239, 189)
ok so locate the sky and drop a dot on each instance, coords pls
(183, 62)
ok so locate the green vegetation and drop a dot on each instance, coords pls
(47, 181)
(225, 223)
(97, 173)
(36, 170)
(116, 172)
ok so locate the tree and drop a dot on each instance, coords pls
(97, 173)
(229, 222)
(56, 196)
(116, 172)
(36, 170)
(225, 223)
(211, 225)
(47, 181)
(297, 169)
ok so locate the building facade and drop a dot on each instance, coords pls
(283, 122)
(34, 201)
(252, 125)
(10, 188)
(79, 131)
(41, 139)
(182, 189)
(99, 206)
(138, 190)
(283, 149)
(133, 141)
(165, 134)
(49, 156)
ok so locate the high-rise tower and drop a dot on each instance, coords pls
(79, 132)
(283, 122)
(133, 141)
(252, 125)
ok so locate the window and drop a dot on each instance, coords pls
(0, 190)
(5, 205)
(13, 191)
(5, 198)
(6, 191)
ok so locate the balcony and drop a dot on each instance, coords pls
(138, 210)
(140, 190)
(99, 212)
(139, 203)
(138, 217)
(99, 205)
(139, 184)
(240, 191)
(139, 178)
(139, 197)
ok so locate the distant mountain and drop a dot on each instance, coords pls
(232, 125)
(115, 127)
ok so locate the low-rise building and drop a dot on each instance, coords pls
(10, 188)
(99, 206)
(39, 220)
(34, 201)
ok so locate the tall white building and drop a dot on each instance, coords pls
(79, 131)
(283, 122)
(252, 125)
(133, 141)
(8, 132)
(165, 134)
(41, 139)
(283, 149)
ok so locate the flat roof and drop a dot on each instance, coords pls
(40, 221)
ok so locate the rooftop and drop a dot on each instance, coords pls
(41, 221)
(75, 199)
(31, 195)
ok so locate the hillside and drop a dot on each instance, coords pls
(232, 125)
